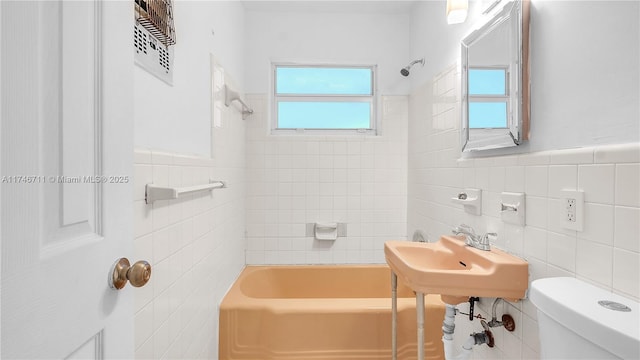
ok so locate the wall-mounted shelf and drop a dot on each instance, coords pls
(153, 192)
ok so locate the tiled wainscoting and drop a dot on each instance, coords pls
(195, 244)
(293, 180)
(605, 253)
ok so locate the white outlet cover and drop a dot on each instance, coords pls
(578, 195)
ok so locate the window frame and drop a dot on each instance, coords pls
(371, 99)
(492, 98)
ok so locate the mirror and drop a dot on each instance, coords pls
(495, 80)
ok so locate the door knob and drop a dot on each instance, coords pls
(122, 271)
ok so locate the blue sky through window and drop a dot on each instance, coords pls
(484, 115)
(487, 82)
(324, 97)
(323, 81)
(324, 115)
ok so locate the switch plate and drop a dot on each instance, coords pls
(572, 203)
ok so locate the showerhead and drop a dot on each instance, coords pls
(405, 70)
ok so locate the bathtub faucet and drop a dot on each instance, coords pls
(472, 239)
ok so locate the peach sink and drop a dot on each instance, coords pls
(456, 271)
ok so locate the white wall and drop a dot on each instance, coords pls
(195, 244)
(585, 73)
(177, 118)
(210, 228)
(294, 180)
(576, 115)
(196, 247)
(333, 37)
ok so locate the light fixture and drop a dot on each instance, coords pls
(457, 11)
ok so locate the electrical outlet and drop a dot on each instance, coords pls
(571, 210)
(573, 203)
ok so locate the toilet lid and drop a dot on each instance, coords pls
(592, 312)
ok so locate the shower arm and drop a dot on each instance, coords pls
(416, 61)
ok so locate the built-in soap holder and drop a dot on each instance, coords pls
(512, 208)
(471, 199)
(326, 231)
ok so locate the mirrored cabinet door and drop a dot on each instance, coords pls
(495, 81)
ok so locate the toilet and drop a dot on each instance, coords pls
(577, 320)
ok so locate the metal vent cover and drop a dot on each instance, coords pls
(152, 55)
(140, 40)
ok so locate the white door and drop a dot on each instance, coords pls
(66, 153)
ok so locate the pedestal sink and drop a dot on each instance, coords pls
(455, 271)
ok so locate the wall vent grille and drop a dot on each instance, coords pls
(152, 55)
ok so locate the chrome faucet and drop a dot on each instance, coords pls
(472, 239)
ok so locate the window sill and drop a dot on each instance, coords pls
(325, 132)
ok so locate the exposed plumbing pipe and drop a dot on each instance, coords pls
(507, 320)
(448, 328)
(494, 318)
(464, 354)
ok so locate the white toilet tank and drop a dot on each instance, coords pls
(574, 325)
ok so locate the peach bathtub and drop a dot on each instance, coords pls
(322, 312)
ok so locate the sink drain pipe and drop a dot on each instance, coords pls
(448, 328)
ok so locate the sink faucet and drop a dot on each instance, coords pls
(472, 239)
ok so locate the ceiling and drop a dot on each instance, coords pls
(351, 6)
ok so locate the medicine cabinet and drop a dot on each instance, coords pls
(495, 80)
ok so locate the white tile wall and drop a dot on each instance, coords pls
(294, 180)
(606, 253)
(195, 245)
(383, 187)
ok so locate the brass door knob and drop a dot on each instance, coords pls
(122, 271)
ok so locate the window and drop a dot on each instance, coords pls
(488, 98)
(323, 97)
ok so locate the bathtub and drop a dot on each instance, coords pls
(322, 312)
